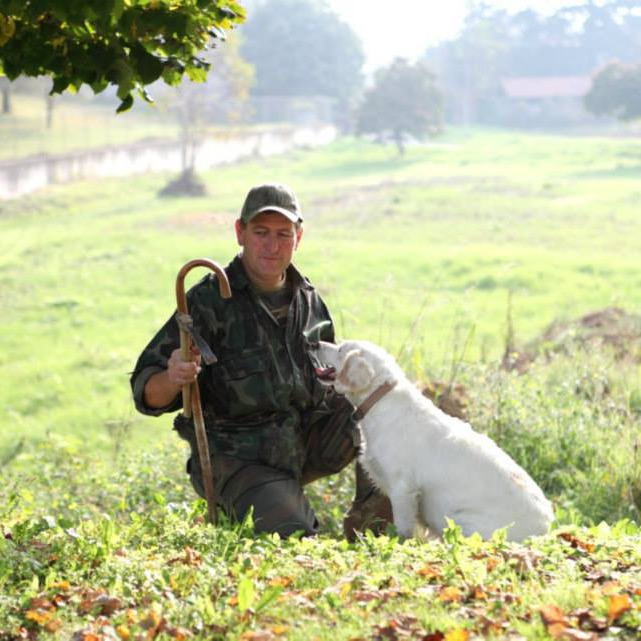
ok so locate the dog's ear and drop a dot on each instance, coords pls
(356, 373)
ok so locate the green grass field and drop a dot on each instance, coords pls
(419, 253)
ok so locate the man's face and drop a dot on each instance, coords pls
(269, 241)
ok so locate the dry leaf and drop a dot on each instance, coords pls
(617, 605)
(551, 614)
(457, 635)
(41, 617)
(430, 572)
(450, 594)
(577, 543)
(258, 635)
(279, 630)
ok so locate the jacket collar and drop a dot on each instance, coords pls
(238, 278)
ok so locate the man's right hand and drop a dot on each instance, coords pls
(180, 372)
(162, 388)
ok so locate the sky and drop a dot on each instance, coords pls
(405, 28)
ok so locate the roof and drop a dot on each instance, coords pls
(547, 87)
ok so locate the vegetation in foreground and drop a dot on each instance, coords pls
(100, 536)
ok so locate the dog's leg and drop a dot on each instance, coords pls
(404, 509)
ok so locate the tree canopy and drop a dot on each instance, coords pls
(302, 48)
(616, 91)
(404, 102)
(125, 43)
(495, 44)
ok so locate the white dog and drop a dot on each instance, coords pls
(432, 466)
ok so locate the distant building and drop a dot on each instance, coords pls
(544, 101)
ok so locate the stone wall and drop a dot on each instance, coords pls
(20, 177)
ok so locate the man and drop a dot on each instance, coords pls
(272, 426)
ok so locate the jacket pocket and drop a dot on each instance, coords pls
(243, 381)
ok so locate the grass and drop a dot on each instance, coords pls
(420, 254)
(77, 123)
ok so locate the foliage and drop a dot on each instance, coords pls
(302, 48)
(102, 552)
(124, 43)
(616, 90)
(404, 102)
(496, 44)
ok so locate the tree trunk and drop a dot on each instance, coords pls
(398, 139)
(6, 100)
(49, 100)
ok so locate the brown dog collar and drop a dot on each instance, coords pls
(372, 399)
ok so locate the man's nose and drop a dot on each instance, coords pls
(272, 244)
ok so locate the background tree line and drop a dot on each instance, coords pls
(283, 50)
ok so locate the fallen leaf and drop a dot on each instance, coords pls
(450, 594)
(123, 632)
(430, 572)
(258, 635)
(41, 603)
(577, 543)
(457, 635)
(41, 617)
(618, 604)
(551, 614)
(85, 635)
(65, 586)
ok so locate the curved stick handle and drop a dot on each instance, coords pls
(181, 303)
(191, 392)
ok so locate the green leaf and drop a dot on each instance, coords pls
(148, 67)
(246, 593)
(197, 73)
(269, 595)
(126, 104)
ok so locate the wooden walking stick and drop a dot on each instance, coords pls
(191, 391)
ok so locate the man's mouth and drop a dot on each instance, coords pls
(326, 373)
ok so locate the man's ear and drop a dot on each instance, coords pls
(240, 232)
(355, 374)
(299, 235)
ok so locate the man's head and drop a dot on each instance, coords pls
(269, 230)
(272, 197)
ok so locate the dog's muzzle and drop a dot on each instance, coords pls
(326, 373)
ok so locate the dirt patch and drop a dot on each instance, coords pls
(611, 327)
(451, 398)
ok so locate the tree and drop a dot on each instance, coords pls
(616, 91)
(126, 43)
(221, 99)
(302, 48)
(404, 102)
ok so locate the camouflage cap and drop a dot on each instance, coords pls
(271, 197)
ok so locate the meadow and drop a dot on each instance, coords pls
(446, 256)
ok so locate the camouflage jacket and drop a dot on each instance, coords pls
(261, 394)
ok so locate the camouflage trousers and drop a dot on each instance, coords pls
(276, 496)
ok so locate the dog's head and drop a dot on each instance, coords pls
(355, 368)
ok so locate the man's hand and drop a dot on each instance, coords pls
(162, 388)
(180, 372)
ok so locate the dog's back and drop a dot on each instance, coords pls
(453, 471)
